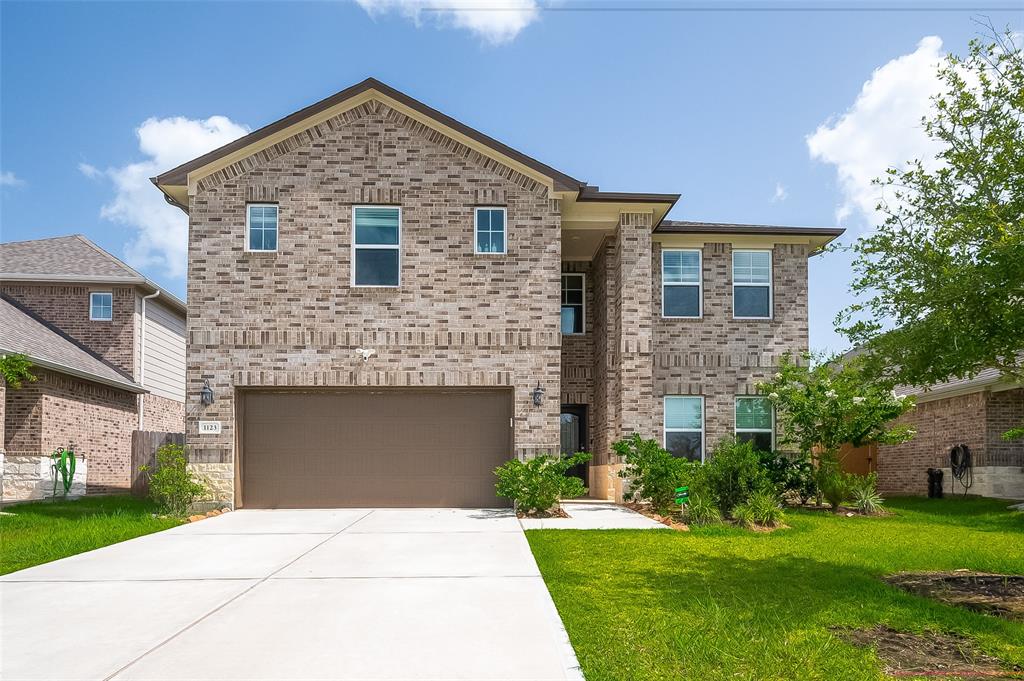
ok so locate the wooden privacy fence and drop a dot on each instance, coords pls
(144, 446)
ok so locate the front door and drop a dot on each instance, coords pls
(574, 436)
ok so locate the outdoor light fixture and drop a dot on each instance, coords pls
(538, 395)
(206, 394)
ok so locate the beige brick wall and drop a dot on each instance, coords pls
(163, 414)
(292, 319)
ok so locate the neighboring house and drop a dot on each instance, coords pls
(108, 349)
(386, 304)
(975, 412)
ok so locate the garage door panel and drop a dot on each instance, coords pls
(383, 448)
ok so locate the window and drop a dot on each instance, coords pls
(376, 245)
(684, 427)
(752, 284)
(680, 284)
(572, 303)
(101, 307)
(261, 227)
(755, 422)
(490, 230)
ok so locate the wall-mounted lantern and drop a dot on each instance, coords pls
(538, 395)
(206, 394)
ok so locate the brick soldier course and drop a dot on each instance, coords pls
(292, 319)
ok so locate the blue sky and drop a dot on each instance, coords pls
(722, 107)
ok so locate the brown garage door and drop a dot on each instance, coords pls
(373, 448)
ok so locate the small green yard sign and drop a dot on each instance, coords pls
(682, 495)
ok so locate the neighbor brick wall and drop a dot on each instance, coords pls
(164, 414)
(291, 318)
(67, 308)
(717, 356)
(1005, 411)
(58, 410)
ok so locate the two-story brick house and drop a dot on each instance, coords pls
(385, 304)
(108, 352)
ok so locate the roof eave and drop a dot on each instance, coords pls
(127, 386)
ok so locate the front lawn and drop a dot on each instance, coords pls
(722, 602)
(41, 531)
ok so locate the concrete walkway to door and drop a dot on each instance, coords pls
(317, 594)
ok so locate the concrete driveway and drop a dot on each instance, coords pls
(318, 594)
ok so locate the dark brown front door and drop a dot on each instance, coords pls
(574, 436)
(374, 448)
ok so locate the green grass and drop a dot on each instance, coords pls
(722, 602)
(39, 532)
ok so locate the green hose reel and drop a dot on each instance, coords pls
(63, 463)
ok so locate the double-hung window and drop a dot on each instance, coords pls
(573, 288)
(376, 245)
(752, 284)
(261, 227)
(755, 422)
(489, 228)
(684, 426)
(101, 307)
(681, 283)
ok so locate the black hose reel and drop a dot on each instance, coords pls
(960, 466)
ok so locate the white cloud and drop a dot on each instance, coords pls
(496, 21)
(161, 230)
(9, 179)
(781, 193)
(881, 129)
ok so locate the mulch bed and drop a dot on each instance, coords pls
(674, 520)
(557, 512)
(999, 595)
(930, 654)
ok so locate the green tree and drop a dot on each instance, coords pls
(16, 369)
(945, 271)
(822, 405)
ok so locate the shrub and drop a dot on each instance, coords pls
(833, 483)
(865, 493)
(764, 508)
(733, 474)
(536, 485)
(654, 474)
(172, 485)
(791, 476)
(701, 511)
(744, 516)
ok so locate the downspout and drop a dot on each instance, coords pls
(142, 361)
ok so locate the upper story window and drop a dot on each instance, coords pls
(681, 294)
(376, 245)
(489, 228)
(755, 422)
(573, 289)
(752, 284)
(684, 426)
(261, 227)
(101, 307)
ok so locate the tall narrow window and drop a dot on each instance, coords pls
(490, 230)
(376, 246)
(755, 422)
(261, 227)
(573, 287)
(680, 283)
(684, 426)
(101, 307)
(752, 284)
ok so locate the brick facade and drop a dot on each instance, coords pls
(163, 414)
(977, 420)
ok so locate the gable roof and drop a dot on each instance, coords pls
(23, 333)
(72, 259)
(179, 176)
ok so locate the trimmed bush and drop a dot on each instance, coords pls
(834, 484)
(172, 485)
(536, 485)
(654, 474)
(732, 475)
(792, 475)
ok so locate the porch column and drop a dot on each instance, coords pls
(633, 323)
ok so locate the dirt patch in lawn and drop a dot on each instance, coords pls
(999, 595)
(933, 655)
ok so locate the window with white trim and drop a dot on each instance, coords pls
(684, 426)
(752, 284)
(573, 306)
(489, 230)
(755, 422)
(101, 306)
(261, 227)
(681, 283)
(376, 245)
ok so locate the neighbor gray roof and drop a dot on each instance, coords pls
(72, 259)
(47, 347)
(983, 379)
